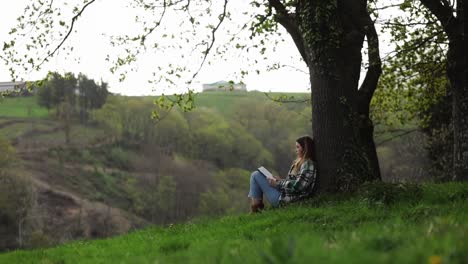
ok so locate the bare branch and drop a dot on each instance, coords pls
(421, 42)
(386, 7)
(411, 24)
(396, 136)
(143, 37)
(213, 38)
(294, 68)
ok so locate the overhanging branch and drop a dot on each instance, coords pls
(222, 16)
(68, 33)
(144, 36)
(287, 20)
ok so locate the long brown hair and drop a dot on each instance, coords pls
(308, 148)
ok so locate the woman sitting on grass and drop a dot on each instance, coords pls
(299, 183)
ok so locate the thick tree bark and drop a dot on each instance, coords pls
(331, 132)
(348, 156)
(457, 70)
(330, 36)
(365, 94)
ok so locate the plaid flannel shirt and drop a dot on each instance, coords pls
(299, 185)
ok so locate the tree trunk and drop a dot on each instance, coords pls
(457, 71)
(346, 153)
(332, 131)
(329, 129)
(329, 36)
(368, 145)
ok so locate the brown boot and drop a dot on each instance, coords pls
(256, 206)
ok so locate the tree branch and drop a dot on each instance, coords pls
(416, 45)
(143, 37)
(444, 14)
(68, 33)
(264, 18)
(396, 136)
(410, 24)
(213, 38)
(385, 7)
(286, 19)
(367, 89)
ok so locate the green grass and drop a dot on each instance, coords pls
(98, 185)
(428, 226)
(23, 107)
(27, 107)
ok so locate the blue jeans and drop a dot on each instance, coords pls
(259, 185)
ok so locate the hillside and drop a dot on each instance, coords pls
(107, 179)
(21, 107)
(382, 224)
(224, 101)
(122, 170)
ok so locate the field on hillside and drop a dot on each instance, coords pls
(224, 101)
(402, 224)
(21, 107)
(21, 116)
(27, 107)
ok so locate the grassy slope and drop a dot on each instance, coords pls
(429, 229)
(22, 107)
(27, 107)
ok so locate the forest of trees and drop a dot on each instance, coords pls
(80, 93)
(209, 155)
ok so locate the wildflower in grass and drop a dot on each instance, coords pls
(435, 259)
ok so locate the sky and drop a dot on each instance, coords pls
(92, 47)
(105, 18)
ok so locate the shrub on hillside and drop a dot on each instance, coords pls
(16, 200)
(120, 158)
(228, 195)
(7, 153)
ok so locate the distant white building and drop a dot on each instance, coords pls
(224, 86)
(12, 86)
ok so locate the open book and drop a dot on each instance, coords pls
(265, 172)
